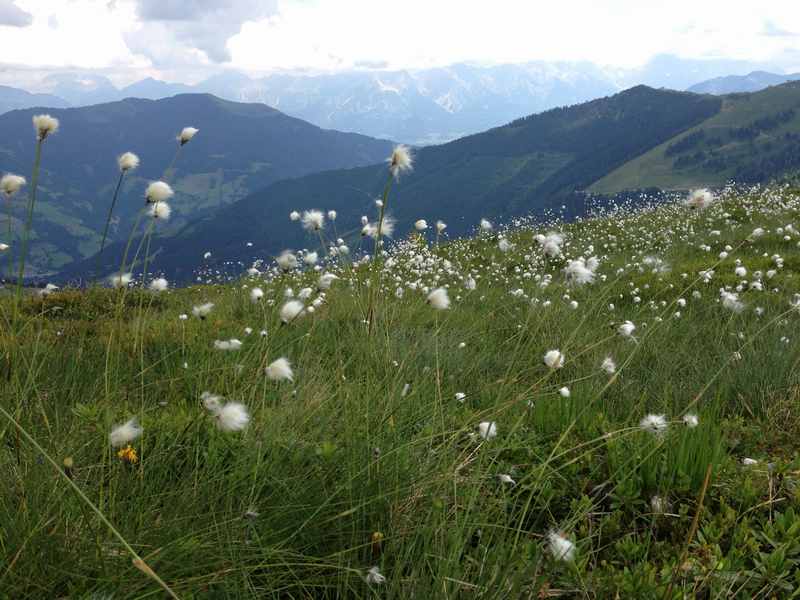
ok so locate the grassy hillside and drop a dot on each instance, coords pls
(240, 148)
(754, 138)
(439, 450)
(530, 165)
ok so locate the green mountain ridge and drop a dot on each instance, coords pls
(530, 165)
(753, 138)
(556, 161)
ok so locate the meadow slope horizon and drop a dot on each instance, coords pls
(536, 164)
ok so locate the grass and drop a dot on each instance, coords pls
(367, 459)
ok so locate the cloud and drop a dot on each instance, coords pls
(204, 25)
(13, 16)
(186, 40)
(326, 34)
(773, 30)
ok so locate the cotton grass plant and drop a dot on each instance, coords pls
(503, 436)
(44, 126)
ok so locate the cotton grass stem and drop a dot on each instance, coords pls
(29, 220)
(108, 222)
(375, 280)
(10, 232)
(130, 241)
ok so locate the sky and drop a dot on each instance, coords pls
(186, 40)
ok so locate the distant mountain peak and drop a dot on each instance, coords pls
(732, 84)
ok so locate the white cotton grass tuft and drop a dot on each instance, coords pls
(564, 392)
(280, 370)
(626, 330)
(560, 547)
(374, 577)
(294, 216)
(386, 228)
(45, 125)
(700, 199)
(292, 310)
(160, 210)
(310, 258)
(10, 184)
(212, 402)
(554, 359)
(655, 424)
(127, 161)
(232, 416)
(326, 280)
(551, 246)
(159, 285)
(332, 215)
(228, 345)
(158, 191)
(313, 220)
(439, 299)
(487, 430)
(369, 230)
(256, 294)
(186, 134)
(441, 226)
(400, 161)
(580, 271)
(124, 434)
(287, 260)
(731, 301)
(486, 225)
(421, 225)
(691, 420)
(48, 289)
(608, 365)
(121, 280)
(201, 311)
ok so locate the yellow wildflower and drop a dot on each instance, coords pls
(128, 455)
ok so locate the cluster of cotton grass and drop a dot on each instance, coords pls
(44, 127)
(157, 197)
(157, 194)
(537, 265)
(544, 257)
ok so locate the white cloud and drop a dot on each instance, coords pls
(204, 25)
(70, 33)
(12, 15)
(181, 39)
(325, 34)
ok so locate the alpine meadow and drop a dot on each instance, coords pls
(246, 356)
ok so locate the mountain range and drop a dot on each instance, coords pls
(528, 166)
(13, 99)
(421, 106)
(732, 84)
(241, 148)
(250, 166)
